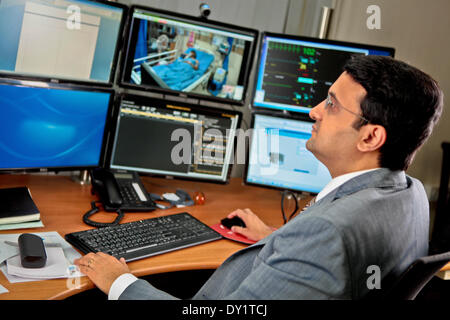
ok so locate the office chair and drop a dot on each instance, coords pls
(440, 240)
(413, 279)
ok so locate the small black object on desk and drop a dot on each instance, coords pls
(32, 251)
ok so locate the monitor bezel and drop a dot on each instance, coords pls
(38, 83)
(193, 107)
(265, 34)
(297, 117)
(126, 64)
(115, 63)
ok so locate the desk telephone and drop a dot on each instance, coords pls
(121, 190)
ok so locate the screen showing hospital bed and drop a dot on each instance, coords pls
(188, 56)
(164, 138)
(60, 39)
(294, 73)
(278, 157)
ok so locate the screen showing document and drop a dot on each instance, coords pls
(59, 38)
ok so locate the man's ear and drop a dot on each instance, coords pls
(372, 138)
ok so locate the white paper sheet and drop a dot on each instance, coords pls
(55, 266)
(7, 251)
(3, 289)
(49, 237)
(23, 225)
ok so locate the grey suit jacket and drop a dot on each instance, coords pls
(377, 221)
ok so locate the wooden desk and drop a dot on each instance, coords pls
(444, 273)
(63, 202)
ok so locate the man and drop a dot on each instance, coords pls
(371, 215)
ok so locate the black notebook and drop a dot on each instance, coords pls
(17, 206)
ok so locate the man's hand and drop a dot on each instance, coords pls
(102, 269)
(255, 229)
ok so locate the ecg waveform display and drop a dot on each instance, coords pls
(300, 75)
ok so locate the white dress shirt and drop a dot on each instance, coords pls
(123, 281)
(338, 181)
(120, 284)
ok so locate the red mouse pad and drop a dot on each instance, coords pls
(227, 233)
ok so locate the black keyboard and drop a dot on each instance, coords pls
(145, 238)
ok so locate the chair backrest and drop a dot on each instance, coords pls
(440, 240)
(419, 273)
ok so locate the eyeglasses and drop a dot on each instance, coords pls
(333, 107)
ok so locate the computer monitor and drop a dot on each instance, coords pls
(168, 138)
(74, 40)
(50, 127)
(278, 157)
(294, 73)
(188, 56)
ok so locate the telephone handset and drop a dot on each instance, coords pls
(121, 190)
(106, 186)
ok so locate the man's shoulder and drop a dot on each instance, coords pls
(376, 184)
(352, 205)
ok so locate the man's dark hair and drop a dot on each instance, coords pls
(404, 100)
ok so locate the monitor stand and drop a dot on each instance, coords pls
(291, 195)
(299, 195)
(82, 178)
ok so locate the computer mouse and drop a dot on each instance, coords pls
(32, 251)
(235, 221)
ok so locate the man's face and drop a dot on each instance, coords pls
(333, 140)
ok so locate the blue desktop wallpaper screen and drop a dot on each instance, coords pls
(51, 128)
